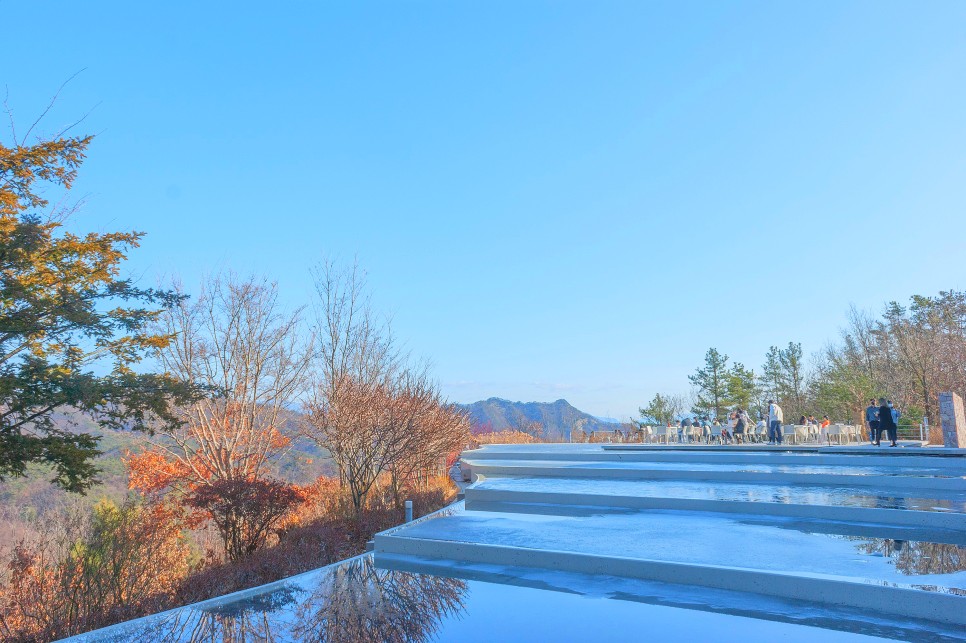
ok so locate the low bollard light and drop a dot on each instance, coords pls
(409, 511)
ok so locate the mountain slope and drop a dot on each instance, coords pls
(556, 418)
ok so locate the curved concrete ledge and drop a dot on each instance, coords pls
(935, 526)
(902, 601)
(806, 479)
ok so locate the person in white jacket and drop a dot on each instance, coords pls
(775, 418)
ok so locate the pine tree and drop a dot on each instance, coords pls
(711, 383)
(743, 387)
(71, 328)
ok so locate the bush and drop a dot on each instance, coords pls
(88, 570)
(245, 510)
(504, 437)
(83, 572)
(323, 530)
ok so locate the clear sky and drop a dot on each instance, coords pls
(552, 199)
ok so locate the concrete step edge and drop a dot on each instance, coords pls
(908, 602)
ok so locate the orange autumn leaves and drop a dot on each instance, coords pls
(202, 457)
(215, 470)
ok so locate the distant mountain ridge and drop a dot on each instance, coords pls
(556, 418)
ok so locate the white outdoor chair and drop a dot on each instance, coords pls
(814, 433)
(836, 432)
(822, 436)
(789, 434)
(853, 433)
(715, 435)
(756, 433)
(760, 432)
(847, 433)
(749, 433)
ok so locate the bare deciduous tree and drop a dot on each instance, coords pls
(373, 412)
(356, 364)
(424, 430)
(236, 341)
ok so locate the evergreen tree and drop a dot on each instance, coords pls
(742, 387)
(711, 384)
(793, 378)
(771, 375)
(784, 378)
(72, 329)
(662, 408)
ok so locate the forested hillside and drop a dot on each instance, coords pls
(549, 420)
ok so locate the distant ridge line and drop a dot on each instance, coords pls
(557, 418)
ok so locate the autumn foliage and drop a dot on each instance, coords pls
(245, 510)
(207, 512)
(86, 572)
(504, 437)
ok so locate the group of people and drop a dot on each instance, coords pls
(738, 423)
(879, 417)
(776, 417)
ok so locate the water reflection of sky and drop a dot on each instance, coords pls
(911, 498)
(358, 601)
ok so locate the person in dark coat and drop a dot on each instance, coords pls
(886, 423)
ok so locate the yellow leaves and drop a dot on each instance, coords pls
(21, 167)
(157, 341)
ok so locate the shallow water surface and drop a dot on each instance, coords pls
(358, 600)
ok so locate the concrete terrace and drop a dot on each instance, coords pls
(600, 543)
(879, 531)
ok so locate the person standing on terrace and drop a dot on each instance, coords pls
(895, 413)
(872, 420)
(775, 418)
(886, 423)
(741, 423)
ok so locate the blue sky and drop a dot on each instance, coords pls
(552, 199)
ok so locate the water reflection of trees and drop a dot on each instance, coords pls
(255, 618)
(917, 558)
(354, 602)
(359, 602)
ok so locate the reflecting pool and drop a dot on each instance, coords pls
(406, 599)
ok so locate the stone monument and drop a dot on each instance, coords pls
(953, 420)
